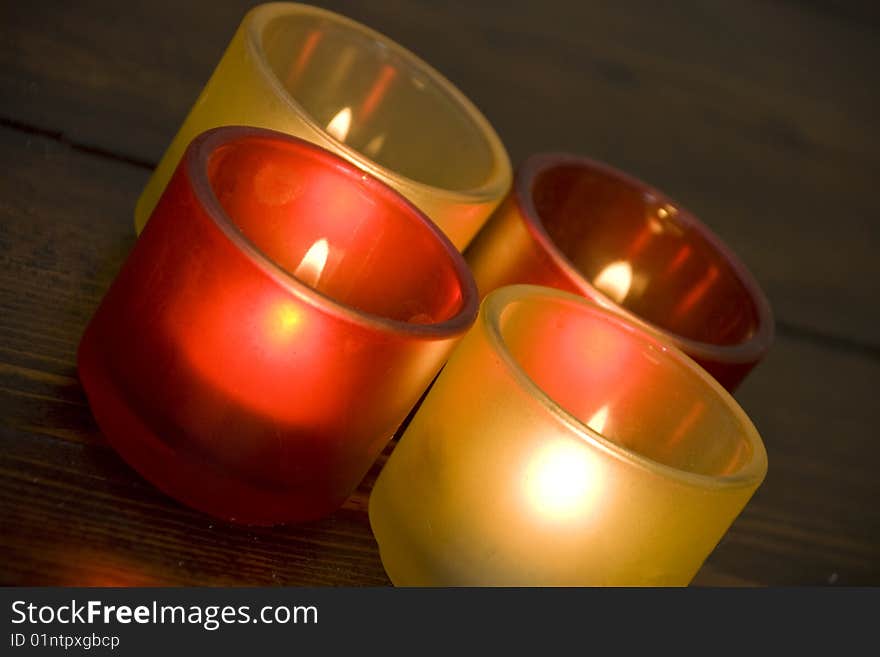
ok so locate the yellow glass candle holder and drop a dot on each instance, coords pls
(327, 79)
(587, 451)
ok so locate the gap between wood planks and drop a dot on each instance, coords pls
(783, 328)
(59, 137)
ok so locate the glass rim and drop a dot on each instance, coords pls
(500, 174)
(750, 473)
(196, 160)
(749, 350)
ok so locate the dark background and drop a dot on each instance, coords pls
(761, 117)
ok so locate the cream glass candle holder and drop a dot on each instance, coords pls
(562, 445)
(322, 77)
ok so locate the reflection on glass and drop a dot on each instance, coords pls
(378, 90)
(374, 146)
(299, 64)
(696, 294)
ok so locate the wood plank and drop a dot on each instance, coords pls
(815, 520)
(72, 512)
(761, 117)
(76, 514)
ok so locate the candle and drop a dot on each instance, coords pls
(582, 226)
(586, 451)
(322, 77)
(275, 322)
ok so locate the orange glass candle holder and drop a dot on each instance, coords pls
(563, 445)
(275, 322)
(578, 225)
(317, 75)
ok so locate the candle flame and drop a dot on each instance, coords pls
(340, 124)
(681, 256)
(561, 481)
(615, 280)
(299, 64)
(375, 145)
(312, 265)
(377, 91)
(599, 420)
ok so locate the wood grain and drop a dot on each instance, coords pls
(815, 519)
(759, 116)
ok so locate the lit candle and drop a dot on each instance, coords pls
(276, 321)
(322, 77)
(587, 451)
(582, 226)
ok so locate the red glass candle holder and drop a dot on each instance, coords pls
(578, 225)
(275, 322)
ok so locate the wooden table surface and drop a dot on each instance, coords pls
(759, 116)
